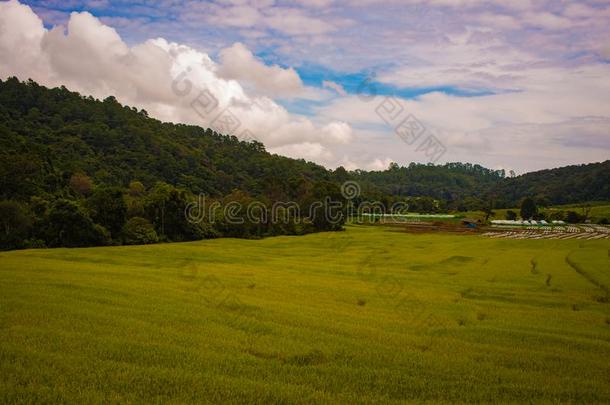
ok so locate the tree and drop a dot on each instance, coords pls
(473, 204)
(69, 225)
(341, 175)
(166, 206)
(557, 215)
(543, 201)
(243, 216)
(14, 224)
(488, 209)
(81, 184)
(326, 206)
(528, 208)
(586, 210)
(573, 217)
(136, 189)
(139, 231)
(108, 208)
(511, 215)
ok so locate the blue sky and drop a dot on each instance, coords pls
(518, 85)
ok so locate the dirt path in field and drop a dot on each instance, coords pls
(586, 275)
(434, 227)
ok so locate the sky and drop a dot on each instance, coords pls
(518, 85)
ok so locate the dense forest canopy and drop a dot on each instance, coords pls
(117, 173)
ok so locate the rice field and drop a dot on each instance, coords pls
(598, 211)
(369, 315)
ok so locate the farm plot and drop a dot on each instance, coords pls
(586, 232)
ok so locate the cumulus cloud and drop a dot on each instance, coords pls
(20, 48)
(237, 62)
(306, 150)
(171, 81)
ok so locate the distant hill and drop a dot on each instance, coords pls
(570, 184)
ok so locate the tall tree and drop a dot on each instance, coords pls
(108, 208)
(528, 208)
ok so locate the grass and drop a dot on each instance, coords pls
(599, 210)
(366, 315)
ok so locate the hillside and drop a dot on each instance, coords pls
(564, 185)
(48, 134)
(68, 158)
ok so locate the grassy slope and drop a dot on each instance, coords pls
(363, 315)
(599, 210)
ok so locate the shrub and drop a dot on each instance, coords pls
(511, 215)
(540, 216)
(34, 244)
(139, 231)
(14, 224)
(68, 225)
(557, 216)
(573, 217)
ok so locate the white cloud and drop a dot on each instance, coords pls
(237, 62)
(171, 81)
(295, 22)
(379, 164)
(19, 48)
(547, 20)
(559, 116)
(334, 86)
(306, 150)
(499, 21)
(262, 15)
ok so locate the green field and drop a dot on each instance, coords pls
(598, 211)
(366, 315)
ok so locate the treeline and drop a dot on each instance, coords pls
(530, 210)
(86, 214)
(430, 188)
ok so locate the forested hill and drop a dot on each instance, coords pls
(569, 184)
(467, 186)
(49, 135)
